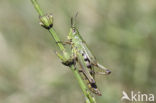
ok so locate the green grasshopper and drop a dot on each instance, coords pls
(81, 55)
(84, 58)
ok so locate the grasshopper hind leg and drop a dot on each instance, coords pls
(106, 71)
(91, 85)
(94, 89)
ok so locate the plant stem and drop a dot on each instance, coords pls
(86, 93)
(37, 7)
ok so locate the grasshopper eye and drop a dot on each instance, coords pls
(74, 31)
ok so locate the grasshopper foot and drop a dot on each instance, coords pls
(68, 62)
(64, 43)
(108, 72)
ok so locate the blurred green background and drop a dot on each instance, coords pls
(121, 34)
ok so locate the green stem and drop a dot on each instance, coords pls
(86, 93)
(53, 33)
(37, 7)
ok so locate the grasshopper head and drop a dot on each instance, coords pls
(73, 30)
(73, 33)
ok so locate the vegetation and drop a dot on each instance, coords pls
(121, 33)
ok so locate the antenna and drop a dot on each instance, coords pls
(73, 19)
(72, 23)
(76, 15)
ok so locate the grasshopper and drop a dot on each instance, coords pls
(84, 58)
(81, 55)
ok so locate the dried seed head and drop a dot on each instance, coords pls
(46, 21)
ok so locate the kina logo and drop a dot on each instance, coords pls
(138, 96)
